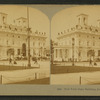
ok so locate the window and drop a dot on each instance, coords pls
(96, 30)
(88, 43)
(93, 43)
(79, 20)
(39, 43)
(79, 43)
(18, 51)
(13, 42)
(61, 53)
(7, 42)
(84, 20)
(3, 20)
(33, 43)
(56, 53)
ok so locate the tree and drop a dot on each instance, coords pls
(52, 51)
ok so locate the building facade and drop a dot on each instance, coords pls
(14, 39)
(81, 42)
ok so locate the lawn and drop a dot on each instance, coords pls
(56, 69)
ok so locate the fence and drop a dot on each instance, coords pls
(88, 80)
(8, 79)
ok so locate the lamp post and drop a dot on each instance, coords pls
(73, 43)
(28, 30)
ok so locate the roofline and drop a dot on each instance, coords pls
(82, 14)
(3, 13)
(21, 18)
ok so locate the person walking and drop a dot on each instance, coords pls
(35, 61)
(90, 63)
(95, 64)
(10, 60)
(15, 61)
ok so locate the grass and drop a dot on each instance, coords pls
(56, 69)
(36, 81)
(9, 67)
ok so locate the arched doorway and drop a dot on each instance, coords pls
(24, 49)
(91, 53)
(10, 52)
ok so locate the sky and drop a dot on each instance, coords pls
(67, 18)
(55, 17)
(37, 19)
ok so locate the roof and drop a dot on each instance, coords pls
(82, 14)
(3, 13)
(21, 18)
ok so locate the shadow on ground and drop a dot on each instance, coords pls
(36, 81)
(56, 69)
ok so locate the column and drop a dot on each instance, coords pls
(54, 54)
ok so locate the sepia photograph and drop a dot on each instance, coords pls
(49, 50)
(24, 45)
(75, 46)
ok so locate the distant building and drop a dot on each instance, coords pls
(86, 42)
(13, 39)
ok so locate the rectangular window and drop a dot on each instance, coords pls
(56, 53)
(87, 43)
(93, 43)
(61, 53)
(13, 43)
(7, 42)
(18, 51)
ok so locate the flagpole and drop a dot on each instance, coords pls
(28, 29)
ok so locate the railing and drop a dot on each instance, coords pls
(88, 80)
(11, 79)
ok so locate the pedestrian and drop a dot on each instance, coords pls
(90, 63)
(35, 61)
(10, 60)
(95, 63)
(15, 61)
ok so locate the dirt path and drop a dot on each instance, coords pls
(74, 78)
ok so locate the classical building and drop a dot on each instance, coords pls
(81, 42)
(14, 39)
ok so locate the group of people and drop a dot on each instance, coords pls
(12, 61)
(92, 63)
